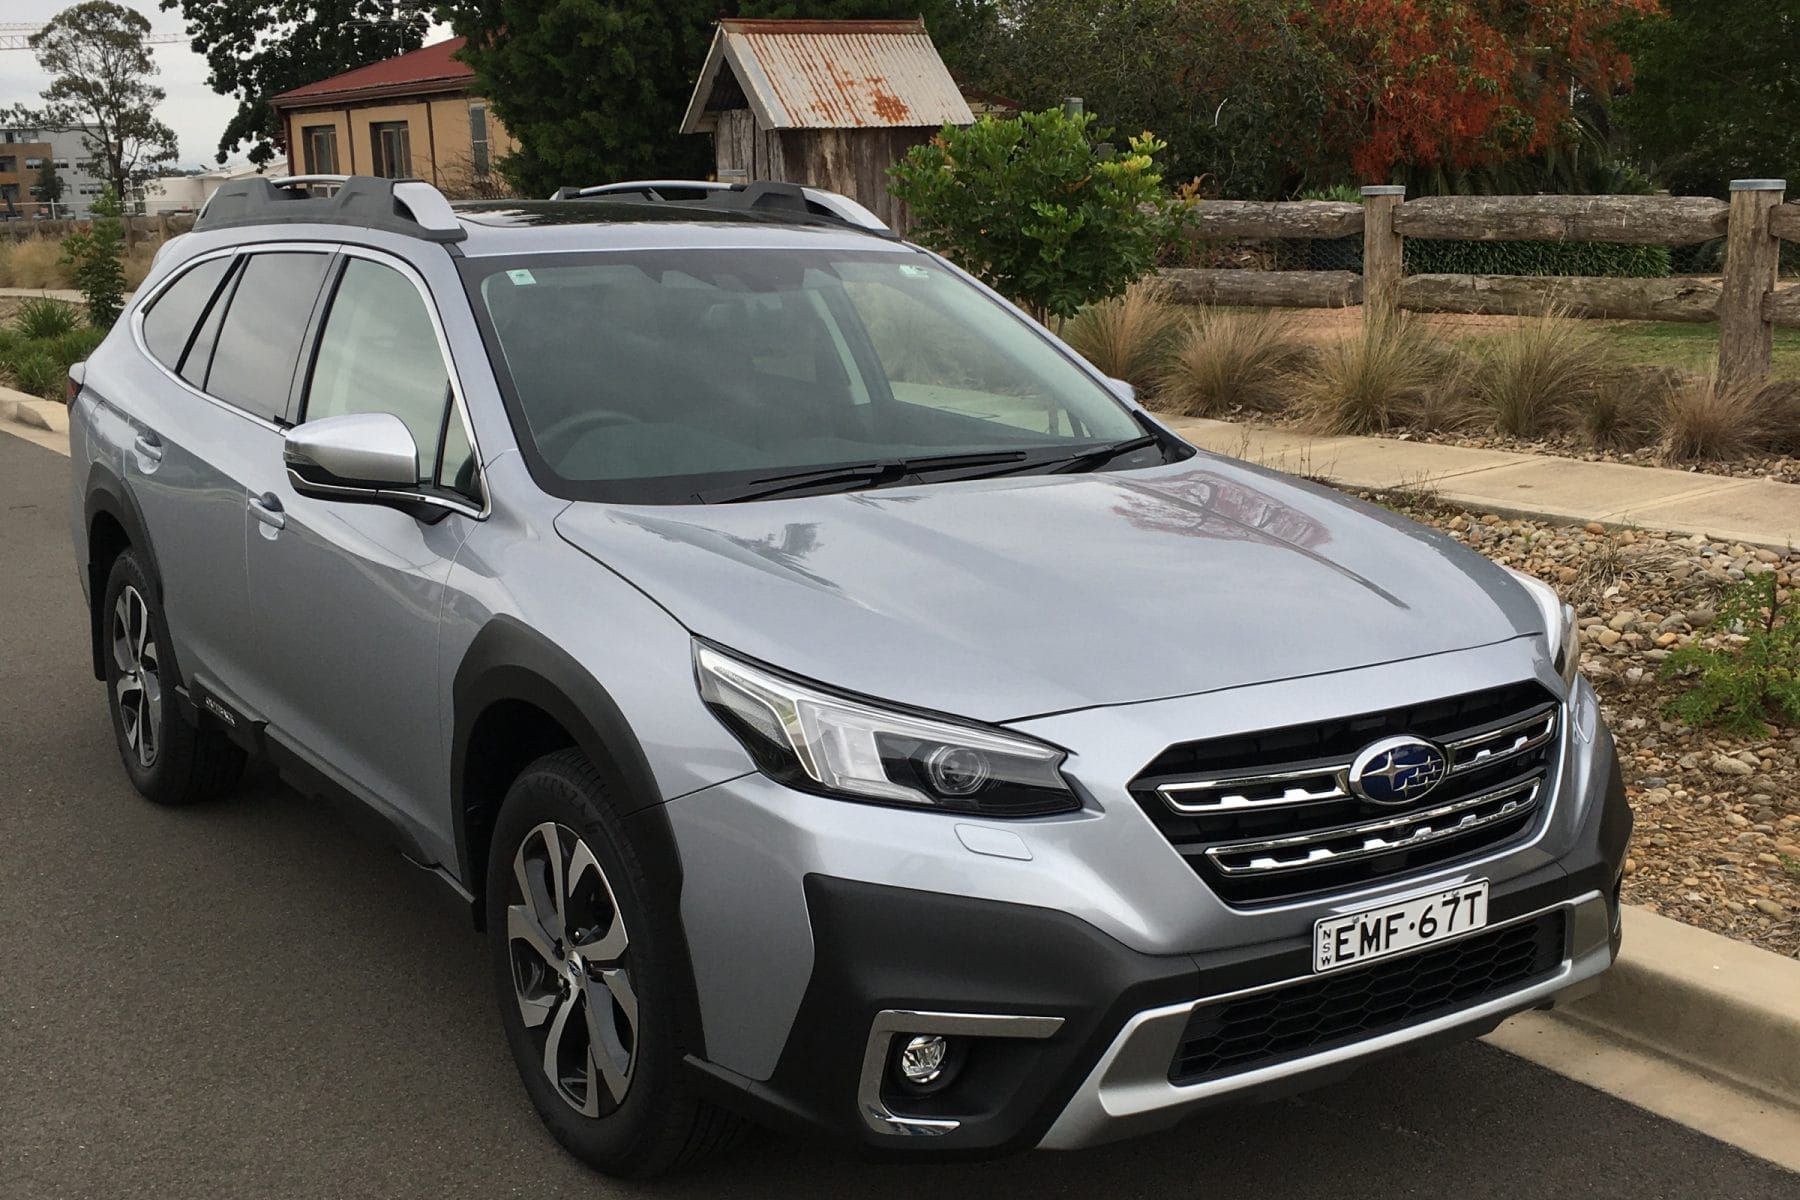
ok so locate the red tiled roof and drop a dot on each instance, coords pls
(427, 69)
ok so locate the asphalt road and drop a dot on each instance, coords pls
(246, 1000)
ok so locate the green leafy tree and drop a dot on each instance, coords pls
(255, 49)
(1740, 685)
(100, 79)
(1033, 208)
(593, 92)
(1236, 86)
(49, 186)
(95, 254)
(1715, 88)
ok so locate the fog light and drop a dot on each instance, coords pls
(922, 1059)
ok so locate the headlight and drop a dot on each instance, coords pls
(1559, 627)
(821, 742)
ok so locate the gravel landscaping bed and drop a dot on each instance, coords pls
(1717, 843)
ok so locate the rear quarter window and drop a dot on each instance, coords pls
(169, 323)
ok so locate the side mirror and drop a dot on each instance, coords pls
(358, 456)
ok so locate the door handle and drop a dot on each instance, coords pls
(149, 448)
(267, 510)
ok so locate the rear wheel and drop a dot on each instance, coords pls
(588, 989)
(169, 760)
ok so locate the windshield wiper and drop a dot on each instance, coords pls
(1099, 456)
(846, 475)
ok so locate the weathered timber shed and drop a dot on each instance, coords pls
(828, 104)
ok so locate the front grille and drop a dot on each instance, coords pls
(1270, 816)
(1231, 1036)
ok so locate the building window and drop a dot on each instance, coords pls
(478, 140)
(320, 142)
(391, 144)
(9, 192)
(9, 165)
(34, 164)
(62, 164)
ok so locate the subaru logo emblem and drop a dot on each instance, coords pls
(1397, 770)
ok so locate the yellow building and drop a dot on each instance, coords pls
(410, 117)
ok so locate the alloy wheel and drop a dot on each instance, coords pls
(138, 689)
(571, 969)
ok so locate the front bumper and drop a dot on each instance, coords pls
(820, 931)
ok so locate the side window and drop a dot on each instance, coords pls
(379, 353)
(259, 342)
(170, 322)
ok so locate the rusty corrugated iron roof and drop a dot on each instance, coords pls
(830, 75)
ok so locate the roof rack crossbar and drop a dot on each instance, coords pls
(410, 207)
(764, 196)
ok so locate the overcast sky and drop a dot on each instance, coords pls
(196, 114)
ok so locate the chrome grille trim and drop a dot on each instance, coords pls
(1528, 733)
(1216, 799)
(1329, 781)
(1265, 855)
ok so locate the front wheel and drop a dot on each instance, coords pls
(587, 986)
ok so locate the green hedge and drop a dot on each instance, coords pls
(1619, 259)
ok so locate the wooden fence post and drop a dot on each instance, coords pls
(1382, 251)
(1752, 262)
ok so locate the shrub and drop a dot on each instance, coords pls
(1757, 679)
(1226, 360)
(1378, 379)
(1621, 414)
(33, 263)
(75, 345)
(1032, 208)
(1427, 256)
(1538, 374)
(95, 253)
(38, 374)
(1703, 418)
(137, 262)
(41, 317)
(1127, 336)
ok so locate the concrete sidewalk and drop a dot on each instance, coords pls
(1757, 512)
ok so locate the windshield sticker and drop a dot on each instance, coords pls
(521, 277)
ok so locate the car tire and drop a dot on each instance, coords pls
(169, 759)
(580, 949)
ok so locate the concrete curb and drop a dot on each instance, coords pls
(27, 410)
(1723, 1007)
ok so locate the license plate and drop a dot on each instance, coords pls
(1340, 942)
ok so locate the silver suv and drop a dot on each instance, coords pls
(840, 705)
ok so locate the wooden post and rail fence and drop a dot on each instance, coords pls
(1744, 299)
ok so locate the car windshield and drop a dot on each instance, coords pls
(675, 376)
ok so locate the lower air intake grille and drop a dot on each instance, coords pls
(1231, 1036)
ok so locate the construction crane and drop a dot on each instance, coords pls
(17, 36)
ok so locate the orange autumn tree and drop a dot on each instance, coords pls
(1460, 83)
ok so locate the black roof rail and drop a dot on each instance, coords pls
(766, 197)
(410, 207)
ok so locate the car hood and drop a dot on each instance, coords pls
(1006, 598)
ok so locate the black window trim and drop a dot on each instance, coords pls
(142, 307)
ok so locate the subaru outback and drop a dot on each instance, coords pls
(841, 706)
